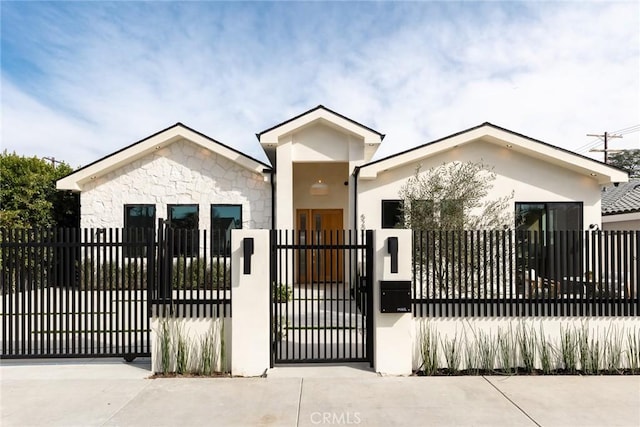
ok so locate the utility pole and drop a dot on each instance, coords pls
(52, 160)
(606, 150)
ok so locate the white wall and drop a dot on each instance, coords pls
(623, 222)
(181, 173)
(332, 174)
(193, 330)
(314, 152)
(467, 329)
(530, 179)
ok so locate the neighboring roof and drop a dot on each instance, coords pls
(622, 198)
(269, 136)
(149, 144)
(489, 132)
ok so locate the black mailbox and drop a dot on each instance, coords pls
(395, 296)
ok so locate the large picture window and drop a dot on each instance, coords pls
(392, 214)
(224, 218)
(139, 221)
(183, 219)
(549, 244)
(548, 216)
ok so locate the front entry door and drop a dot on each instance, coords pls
(317, 230)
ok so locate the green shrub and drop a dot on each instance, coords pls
(281, 293)
(197, 273)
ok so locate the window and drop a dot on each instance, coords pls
(139, 221)
(549, 216)
(183, 219)
(224, 218)
(392, 216)
(549, 242)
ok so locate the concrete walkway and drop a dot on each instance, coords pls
(114, 393)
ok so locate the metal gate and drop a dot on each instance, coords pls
(90, 292)
(321, 296)
(75, 292)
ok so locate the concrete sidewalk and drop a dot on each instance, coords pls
(114, 393)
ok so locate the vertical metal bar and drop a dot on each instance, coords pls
(38, 263)
(51, 284)
(475, 283)
(466, 272)
(587, 276)
(109, 292)
(619, 277)
(541, 262)
(511, 270)
(597, 270)
(96, 299)
(7, 281)
(344, 321)
(64, 291)
(607, 277)
(272, 325)
(492, 268)
(460, 262)
(370, 268)
(285, 282)
(634, 270)
(73, 288)
(27, 295)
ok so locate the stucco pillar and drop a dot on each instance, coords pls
(250, 322)
(393, 341)
(284, 187)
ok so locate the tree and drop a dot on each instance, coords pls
(628, 160)
(454, 197)
(28, 194)
(458, 230)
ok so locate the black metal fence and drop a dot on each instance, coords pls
(91, 292)
(320, 298)
(525, 273)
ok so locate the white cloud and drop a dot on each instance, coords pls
(111, 75)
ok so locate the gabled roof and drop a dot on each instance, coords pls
(601, 172)
(177, 132)
(621, 199)
(319, 113)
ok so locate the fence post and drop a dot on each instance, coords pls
(392, 337)
(250, 302)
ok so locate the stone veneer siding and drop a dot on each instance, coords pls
(181, 173)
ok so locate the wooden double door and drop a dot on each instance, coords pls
(317, 231)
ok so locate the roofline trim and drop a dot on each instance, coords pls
(499, 128)
(381, 135)
(156, 134)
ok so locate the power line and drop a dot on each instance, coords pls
(605, 138)
(593, 143)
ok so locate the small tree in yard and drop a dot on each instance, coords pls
(439, 205)
(454, 197)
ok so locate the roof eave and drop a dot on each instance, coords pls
(157, 141)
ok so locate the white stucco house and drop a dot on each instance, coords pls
(322, 176)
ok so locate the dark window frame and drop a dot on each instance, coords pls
(546, 211)
(215, 240)
(140, 236)
(400, 210)
(185, 243)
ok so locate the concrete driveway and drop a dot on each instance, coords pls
(113, 393)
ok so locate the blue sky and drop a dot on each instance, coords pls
(83, 79)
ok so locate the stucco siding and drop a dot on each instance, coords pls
(181, 173)
(530, 179)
